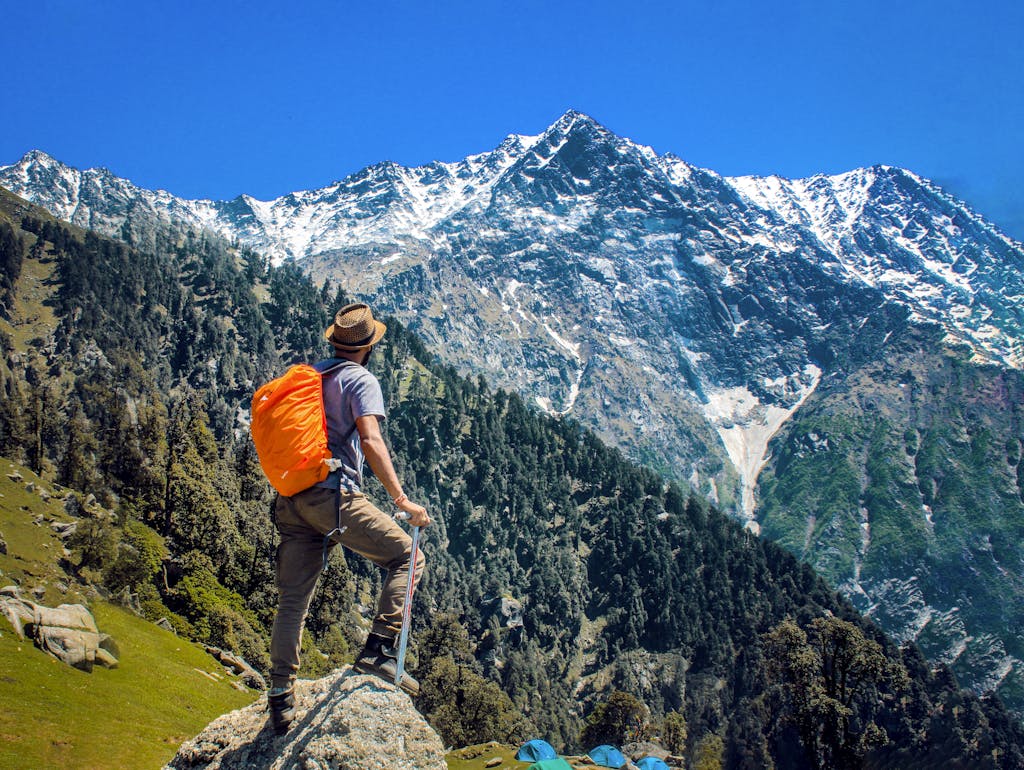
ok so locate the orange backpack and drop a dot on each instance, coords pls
(289, 429)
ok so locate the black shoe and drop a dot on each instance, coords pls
(282, 710)
(380, 658)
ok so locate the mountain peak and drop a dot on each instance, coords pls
(33, 157)
(573, 120)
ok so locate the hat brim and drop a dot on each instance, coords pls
(378, 332)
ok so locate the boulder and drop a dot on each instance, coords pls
(345, 720)
(64, 529)
(15, 477)
(642, 749)
(237, 665)
(67, 632)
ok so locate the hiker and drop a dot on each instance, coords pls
(336, 511)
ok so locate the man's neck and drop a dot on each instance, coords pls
(356, 358)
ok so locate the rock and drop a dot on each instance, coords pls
(344, 720)
(30, 487)
(72, 506)
(15, 477)
(493, 762)
(64, 528)
(513, 612)
(67, 632)
(15, 611)
(39, 592)
(644, 749)
(3, 544)
(237, 665)
(44, 495)
(165, 624)
(90, 500)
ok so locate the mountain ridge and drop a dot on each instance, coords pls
(688, 318)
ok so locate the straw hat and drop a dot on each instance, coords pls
(354, 328)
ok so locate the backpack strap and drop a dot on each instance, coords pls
(336, 365)
(335, 465)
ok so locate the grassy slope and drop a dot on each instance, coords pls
(165, 690)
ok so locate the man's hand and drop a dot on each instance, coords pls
(417, 513)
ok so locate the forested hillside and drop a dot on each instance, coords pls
(576, 576)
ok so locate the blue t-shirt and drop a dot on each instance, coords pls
(350, 392)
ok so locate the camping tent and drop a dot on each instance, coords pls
(535, 750)
(651, 763)
(550, 764)
(607, 756)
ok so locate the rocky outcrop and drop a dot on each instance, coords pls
(67, 632)
(235, 664)
(344, 721)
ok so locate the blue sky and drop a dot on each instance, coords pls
(215, 99)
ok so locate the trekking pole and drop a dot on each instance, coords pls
(403, 638)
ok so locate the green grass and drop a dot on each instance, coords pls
(477, 757)
(33, 550)
(135, 716)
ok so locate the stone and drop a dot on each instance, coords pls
(72, 506)
(15, 477)
(345, 720)
(165, 624)
(30, 487)
(493, 762)
(64, 528)
(15, 611)
(3, 544)
(643, 749)
(67, 632)
(237, 665)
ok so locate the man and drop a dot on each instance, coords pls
(336, 511)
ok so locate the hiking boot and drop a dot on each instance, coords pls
(282, 709)
(380, 658)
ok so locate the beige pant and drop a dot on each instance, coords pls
(302, 521)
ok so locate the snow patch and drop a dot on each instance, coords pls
(746, 426)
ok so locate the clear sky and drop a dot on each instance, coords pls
(212, 99)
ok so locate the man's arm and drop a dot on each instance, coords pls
(379, 460)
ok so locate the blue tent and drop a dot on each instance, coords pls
(607, 756)
(535, 750)
(651, 763)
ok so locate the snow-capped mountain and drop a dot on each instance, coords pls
(684, 315)
(553, 261)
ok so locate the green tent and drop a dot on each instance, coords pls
(550, 764)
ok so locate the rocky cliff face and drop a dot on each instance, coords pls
(682, 314)
(344, 721)
(687, 317)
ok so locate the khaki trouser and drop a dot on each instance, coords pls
(302, 521)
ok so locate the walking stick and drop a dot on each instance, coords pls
(403, 639)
